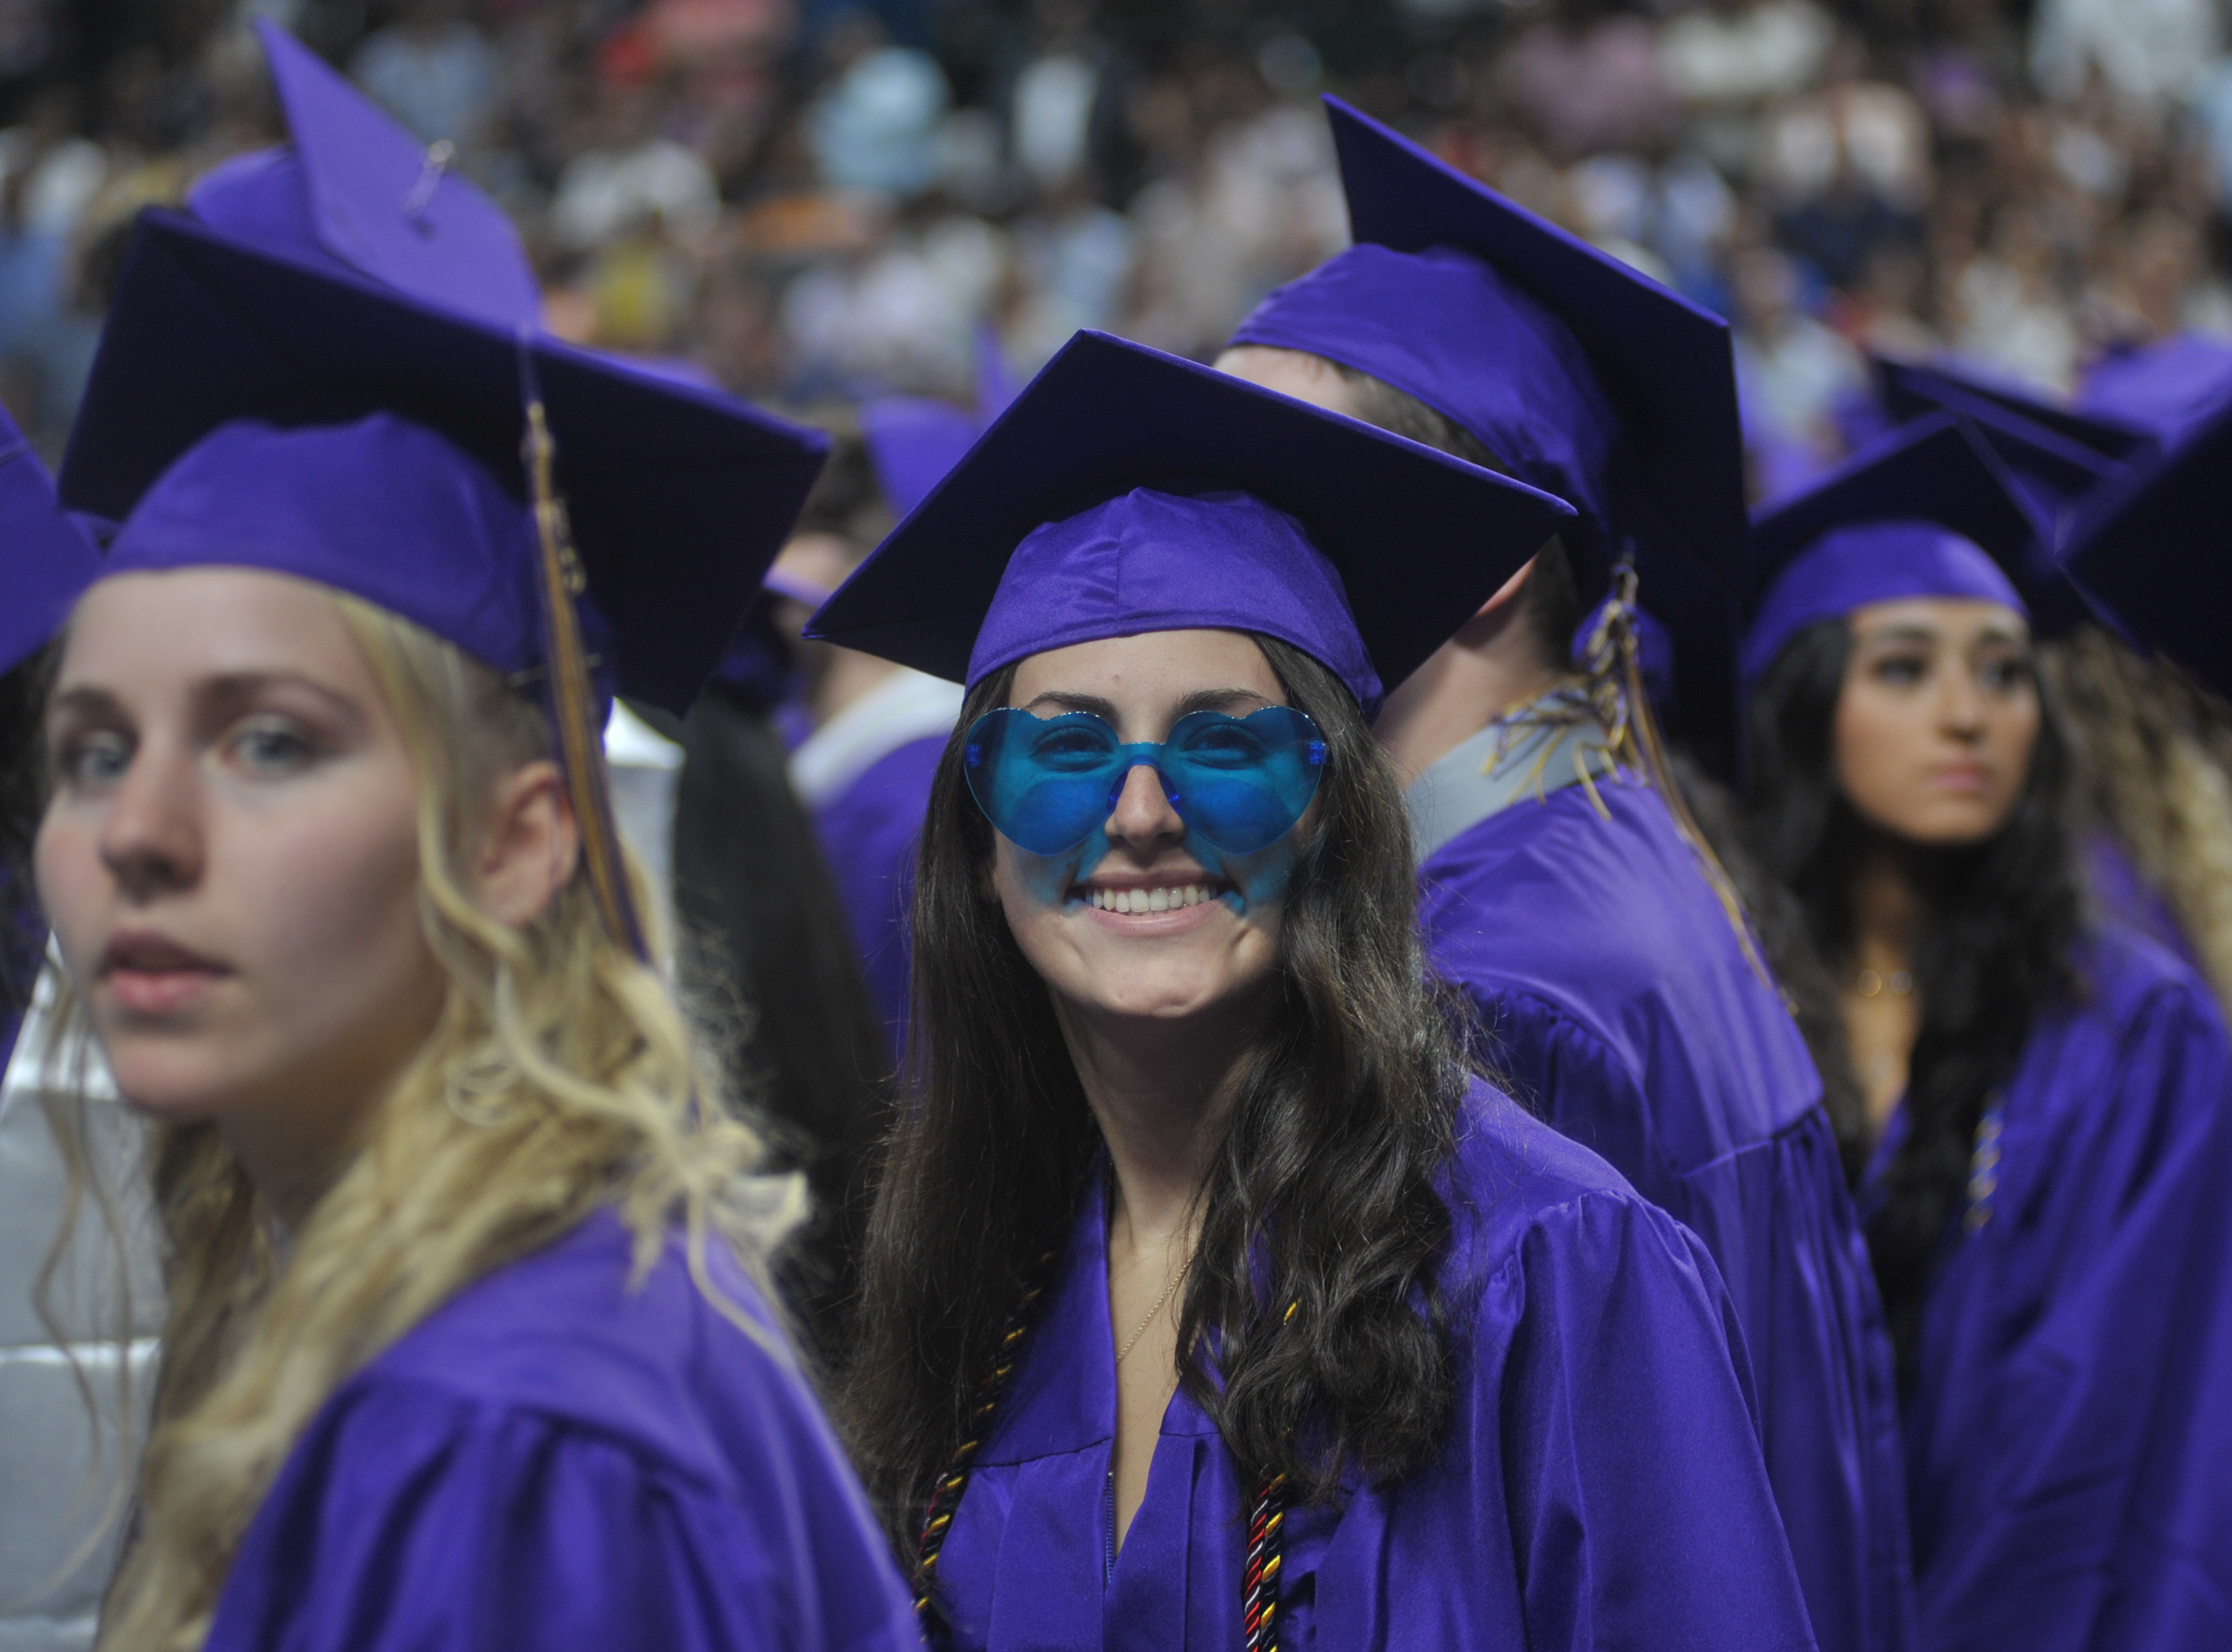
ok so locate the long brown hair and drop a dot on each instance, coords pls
(1323, 1194)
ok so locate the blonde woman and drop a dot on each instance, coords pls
(467, 1344)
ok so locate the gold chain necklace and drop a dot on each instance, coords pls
(1132, 1341)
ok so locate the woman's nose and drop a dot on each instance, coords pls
(1143, 813)
(150, 836)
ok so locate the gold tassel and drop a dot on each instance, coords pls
(580, 743)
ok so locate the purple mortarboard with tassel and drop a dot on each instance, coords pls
(1580, 376)
(1928, 512)
(250, 410)
(1128, 491)
(353, 190)
(49, 556)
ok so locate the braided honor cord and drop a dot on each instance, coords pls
(946, 1495)
(1259, 1578)
(1267, 1510)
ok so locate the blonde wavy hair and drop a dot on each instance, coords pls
(2153, 759)
(561, 1077)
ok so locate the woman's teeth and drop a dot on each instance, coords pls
(1186, 894)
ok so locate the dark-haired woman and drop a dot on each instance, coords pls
(2047, 1204)
(1208, 1302)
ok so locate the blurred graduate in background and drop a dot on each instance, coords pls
(2051, 1091)
(2151, 783)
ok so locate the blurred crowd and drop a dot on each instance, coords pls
(826, 199)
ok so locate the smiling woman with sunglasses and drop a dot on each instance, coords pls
(1208, 1300)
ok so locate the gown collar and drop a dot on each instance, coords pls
(1550, 743)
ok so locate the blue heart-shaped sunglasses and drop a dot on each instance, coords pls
(1047, 784)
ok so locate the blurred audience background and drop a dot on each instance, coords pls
(821, 199)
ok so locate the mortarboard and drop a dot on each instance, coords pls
(1127, 491)
(914, 440)
(2165, 389)
(2149, 553)
(2055, 459)
(247, 409)
(49, 556)
(354, 189)
(1587, 379)
(1929, 512)
(677, 498)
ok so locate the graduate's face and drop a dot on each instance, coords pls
(230, 857)
(1937, 718)
(1214, 941)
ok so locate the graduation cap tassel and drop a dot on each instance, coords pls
(580, 741)
(1612, 649)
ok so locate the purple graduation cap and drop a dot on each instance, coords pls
(679, 499)
(2165, 389)
(1582, 377)
(353, 189)
(1128, 491)
(914, 440)
(2150, 553)
(1585, 378)
(49, 556)
(250, 410)
(2055, 459)
(1929, 511)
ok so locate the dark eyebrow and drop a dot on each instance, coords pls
(1202, 699)
(1218, 700)
(1901, 634)
(1092, 704)
(83, 700)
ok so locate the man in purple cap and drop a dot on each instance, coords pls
(1618, 986)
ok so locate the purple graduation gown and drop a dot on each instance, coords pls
(869, 833)
(1621, 1008)
(1600, 1485)
(2069, 1427)
(557, 1459)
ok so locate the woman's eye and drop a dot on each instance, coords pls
(2004, 676)
(1901, 670)
(98, 759)
(272, 748)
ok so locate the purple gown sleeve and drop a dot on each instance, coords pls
(1774, 1216)
(1640, 1512)
(411, 1519)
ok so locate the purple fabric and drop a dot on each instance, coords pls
(1478, 349)
(914, 442)
(1616, 1003)
(558, 1458)
(2069, 1426)
(46, 559)
(2166, 388)
(1666, 362)
(383, 509)
(358, 192)
(1875, 562)
(869, 835)
(2126, 898)
(1421, 539)
(1148, 560)
(1600, 1486)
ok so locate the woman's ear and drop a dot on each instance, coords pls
(530, 845)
